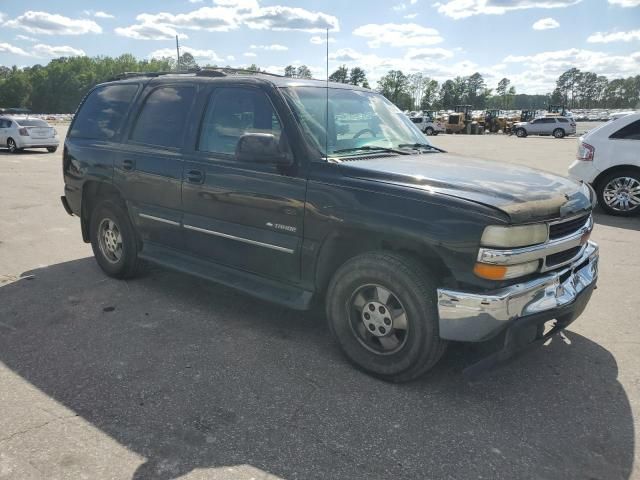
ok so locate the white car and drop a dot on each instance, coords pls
(609, 159)
(428, 125)
(559, 127)
(19, 133)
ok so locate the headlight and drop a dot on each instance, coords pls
(518, 236)
(503, 272)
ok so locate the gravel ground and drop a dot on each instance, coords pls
(166, 376)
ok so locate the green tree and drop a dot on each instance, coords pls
(358, 77)
(341, 75)
(502, 88)
(303, 72)
(395, 86)
(290, 71)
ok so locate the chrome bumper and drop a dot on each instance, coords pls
(471, 317)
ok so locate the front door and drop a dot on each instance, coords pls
(242, 214)
(148, 168)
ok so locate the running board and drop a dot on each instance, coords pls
(249, 283)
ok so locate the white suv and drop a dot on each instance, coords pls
(609, 159)
(556, 126)
(428, 125)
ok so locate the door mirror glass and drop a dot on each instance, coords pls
(261, 148)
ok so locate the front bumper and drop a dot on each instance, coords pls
(583, 171)
(473, 317)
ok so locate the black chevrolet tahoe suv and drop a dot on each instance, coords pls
(298, 192)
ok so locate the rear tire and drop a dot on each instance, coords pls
(113, 239)
(428, 131)
(617, 186)
(558, 133)
(12, 146)
(521, 133)
(52, 149)
(392, 296)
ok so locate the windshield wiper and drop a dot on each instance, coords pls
(371, 148)
(421, 145)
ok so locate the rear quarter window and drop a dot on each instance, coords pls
(563, 120)
(103, 112)
(628, 132)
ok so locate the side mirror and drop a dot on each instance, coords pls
(261, 148)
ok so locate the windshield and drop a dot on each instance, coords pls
(34, 122)
(357, 119)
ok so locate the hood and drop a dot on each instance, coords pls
(524, 194)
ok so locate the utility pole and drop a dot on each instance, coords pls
(178, 53)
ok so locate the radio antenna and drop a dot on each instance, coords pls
(326, 133)
(178, 53)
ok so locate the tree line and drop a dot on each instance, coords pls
(59, 86)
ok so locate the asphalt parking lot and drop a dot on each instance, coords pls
(166, 376)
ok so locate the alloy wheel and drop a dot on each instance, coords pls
(622, 194)
(110, 240)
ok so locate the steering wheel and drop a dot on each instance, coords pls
(363, 131)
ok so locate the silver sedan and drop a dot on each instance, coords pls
(19, 133)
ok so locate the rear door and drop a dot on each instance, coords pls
(148, 169)
(4, 125)
(242, 214)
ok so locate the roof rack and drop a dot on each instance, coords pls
(223, 71)
(125, 75)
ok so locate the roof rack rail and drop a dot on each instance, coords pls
(125, 75)
(222, 71)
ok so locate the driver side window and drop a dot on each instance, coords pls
(233, 112)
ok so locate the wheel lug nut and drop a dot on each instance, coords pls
(382, 330)
(367, 316)
(387, 321)
(371, 307)
(382, 310)
(372, 327)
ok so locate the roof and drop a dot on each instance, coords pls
(224, 74)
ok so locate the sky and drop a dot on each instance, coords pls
(531, 42)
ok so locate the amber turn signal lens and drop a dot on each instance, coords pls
(490, 272)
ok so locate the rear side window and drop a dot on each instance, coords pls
(231, 113)
(4, 124)
(103, 112)
(416, 120)
(163, 118)
(546, 120)
(563, 120)
(630, 132)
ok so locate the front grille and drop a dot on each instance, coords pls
(561, 257)
(562, 229)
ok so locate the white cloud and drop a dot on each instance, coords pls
(273, 47)
(249, 54)
(600, 37)
(26, 38)
(8, 48)
(291, 18)
(398, 35)
(2, 15)
(196, 1)
(101, 14)
(199, 55)
(57, 51)
(541, 70)
(410, 16)
(545, 24)
(228, 15)
(625, 3)
(53, 24)
(428, 53)
(321, 40)
(466, 8)
(230, 57)
(148, 31)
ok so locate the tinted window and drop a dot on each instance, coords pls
(163, 118)
(231, 113)
(32, 123)
(102, 113)
(630, 132)
(546, 120)
(563, 120)
(4, 124)
(416, 120)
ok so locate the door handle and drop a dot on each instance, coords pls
(195, 176)
(128, 164)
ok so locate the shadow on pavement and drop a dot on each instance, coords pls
(192, 375)
(602, 218)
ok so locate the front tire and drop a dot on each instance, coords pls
(558, 133)
(619, 193)
(428, 131)
(381, 309)
(113, 240)
(521, 133)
